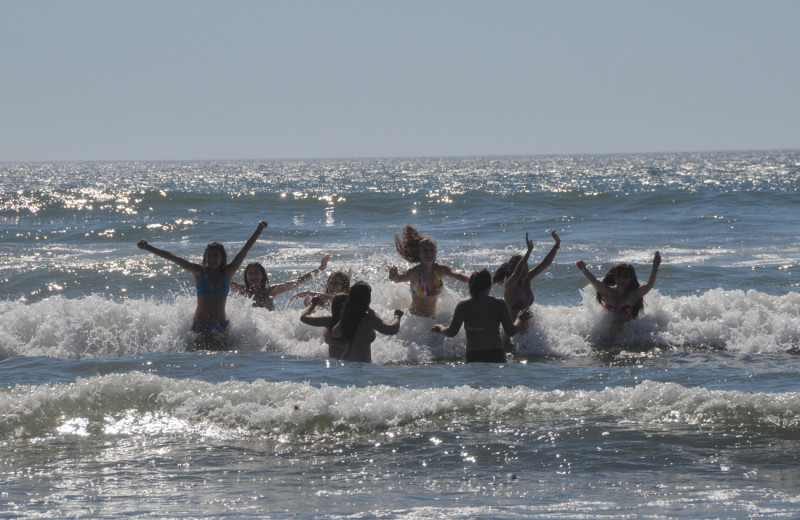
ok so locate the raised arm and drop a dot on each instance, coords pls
(646, 288)
(234, 265)
(166, 255)
(597, 284)
(539, 269)
(455, 323)
(521, 268)
(281, 288)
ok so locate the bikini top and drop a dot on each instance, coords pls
(423, 288)
(203, 288)
(522, 300)
(625, 310)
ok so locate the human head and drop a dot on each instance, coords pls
(480, 282)
(218, 248)
(355, 308)
(505, 269)
(338, 282)
(255, 267)
(411, 243)
(622, 273)
(337, 304)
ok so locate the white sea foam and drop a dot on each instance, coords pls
(96, 326)
(145, 404)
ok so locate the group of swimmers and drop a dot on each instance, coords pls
(351, 326)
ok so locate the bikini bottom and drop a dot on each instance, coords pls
(210, 327)
(494, 355)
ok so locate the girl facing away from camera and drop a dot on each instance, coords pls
(516, 278)
(358, 323)
(336, 346)
(482, 315)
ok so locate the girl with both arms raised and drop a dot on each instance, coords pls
(620, 292)
(517, 278)
(212, 278)
(256, 284)
(426, 277)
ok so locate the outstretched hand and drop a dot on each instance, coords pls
(142, 244)
(392, 272)
(555, 237)
(324, 263)
(529, 243)
(656, 260)
(581, 265)
(262, 225)
(438, 328)
(398, 313)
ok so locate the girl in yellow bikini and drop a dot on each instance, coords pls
(425, 278)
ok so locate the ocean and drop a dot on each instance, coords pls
(690, 411)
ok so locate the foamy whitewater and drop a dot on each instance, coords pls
(691, 411)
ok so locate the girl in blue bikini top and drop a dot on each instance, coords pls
(212, 277)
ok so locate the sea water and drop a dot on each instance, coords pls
(690, 411)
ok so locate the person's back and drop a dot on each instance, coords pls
(358, 324)
(482, 316)
(360, 346)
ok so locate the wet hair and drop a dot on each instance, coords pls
(345, 280)
(505, 269)
(355, 308)
(479, 282)
(410, 244)
(337, 304)
(264, 277)
(610, 279)
(219, 248)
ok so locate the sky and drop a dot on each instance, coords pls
(213, 80)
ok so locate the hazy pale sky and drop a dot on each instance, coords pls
(175, 79)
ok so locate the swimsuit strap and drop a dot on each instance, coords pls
(478, 329)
